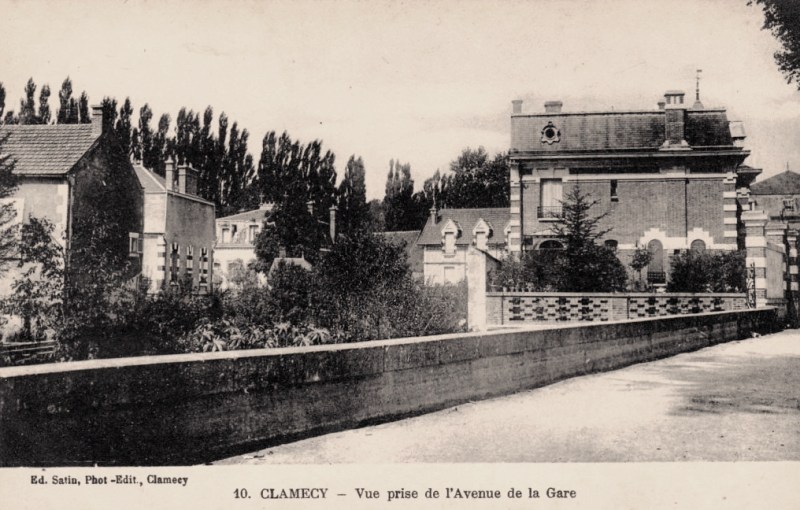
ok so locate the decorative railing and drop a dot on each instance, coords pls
(549, 211)
(521, 307)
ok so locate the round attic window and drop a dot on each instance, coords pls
(550, 134)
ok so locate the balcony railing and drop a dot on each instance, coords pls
(549, 211)
(656, 277)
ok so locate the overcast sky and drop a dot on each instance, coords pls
(415, 81)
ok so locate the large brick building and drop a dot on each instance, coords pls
(667, 178)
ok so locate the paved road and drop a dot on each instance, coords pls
(737, 401)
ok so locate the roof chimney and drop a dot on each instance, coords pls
(434, 215)
(187, 180)
(674, 98)
(97, 120)
(516, 106)
(169, 175)
(675, 114)
(553, 107)
(661, 104)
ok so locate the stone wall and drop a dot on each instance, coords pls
(197, 407)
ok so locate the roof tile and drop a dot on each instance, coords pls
(466, 220)
(46, 150)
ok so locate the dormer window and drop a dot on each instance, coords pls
(788, 204)
(450, 233)
(481, 233)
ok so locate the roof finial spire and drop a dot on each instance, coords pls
(697, 88)
(697, 104)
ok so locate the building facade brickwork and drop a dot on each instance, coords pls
(666, 179)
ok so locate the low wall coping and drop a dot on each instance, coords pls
(616, 294)
(76, 366)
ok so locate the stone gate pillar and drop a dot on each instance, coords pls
(476, 289)
(755, 223)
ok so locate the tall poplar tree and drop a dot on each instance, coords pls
(353, 213)
(82, 116)
(44, 107)
(122, 128)
(27, 106)
(2, 101)
(399, 207)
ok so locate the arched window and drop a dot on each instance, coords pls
(551, 245)
(655, 271)
(611, 244)
(698, 246)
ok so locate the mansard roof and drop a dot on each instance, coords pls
(785, 183)
(623, 130)
(254, 215)
(466, 219)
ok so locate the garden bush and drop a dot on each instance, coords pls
(707, 271)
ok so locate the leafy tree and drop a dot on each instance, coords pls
(292, 227)
(476, 181)
(376, 215)
(8, 213)
(641, 259)
(353, 211)
(694, 271)
(38, 289)
(361, 262)
(782, 18)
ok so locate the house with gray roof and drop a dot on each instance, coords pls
(69, 172)
(779, 197)
(178, 238)
(235, 241)
(449, 233)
